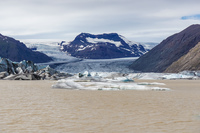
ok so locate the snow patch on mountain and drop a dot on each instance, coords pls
(130, 43)
(101, 40)
(83, 48)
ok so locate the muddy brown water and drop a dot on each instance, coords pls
(33, 106)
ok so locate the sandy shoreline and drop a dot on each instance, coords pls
(33, 106)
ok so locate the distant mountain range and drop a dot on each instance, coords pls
(178, 52)
(102, 46)
(17, 51)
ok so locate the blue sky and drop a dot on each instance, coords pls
(195, 17)
(137, 20)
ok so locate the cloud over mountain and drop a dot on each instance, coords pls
(63, 19)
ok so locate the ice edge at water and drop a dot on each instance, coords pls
(88, 84)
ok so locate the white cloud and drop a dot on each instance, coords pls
(142, 20)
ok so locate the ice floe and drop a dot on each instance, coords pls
(120, 81)
(170, 76)
(105, 81)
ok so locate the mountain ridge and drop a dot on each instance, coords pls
(168, 51)
(17, 51)
(102, 46)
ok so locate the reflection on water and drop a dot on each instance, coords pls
(35, 107)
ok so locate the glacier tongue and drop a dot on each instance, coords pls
(50, 48)
(99, 65)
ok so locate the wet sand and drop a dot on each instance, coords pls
(33, 106)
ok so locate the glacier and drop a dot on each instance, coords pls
(103, 74)
(50, 48)
(69, 64)
(73, 65)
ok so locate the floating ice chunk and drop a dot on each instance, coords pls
(85, 74)
(177, 76)
(127, 80)
(149, 76)
(133, 87)
(107, 75)
(154, 83)
(159, 89)
(108, 89)
(123, 79)
(181, 75)
(188, 73)
(197, 73)
(67, 84)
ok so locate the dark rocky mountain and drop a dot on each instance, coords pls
(170, 50)
(102, 46)
(17, 51)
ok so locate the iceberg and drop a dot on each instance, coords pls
(67, 84)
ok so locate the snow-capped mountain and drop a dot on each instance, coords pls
(102, 46)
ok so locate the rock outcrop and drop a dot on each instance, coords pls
(27, 70)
